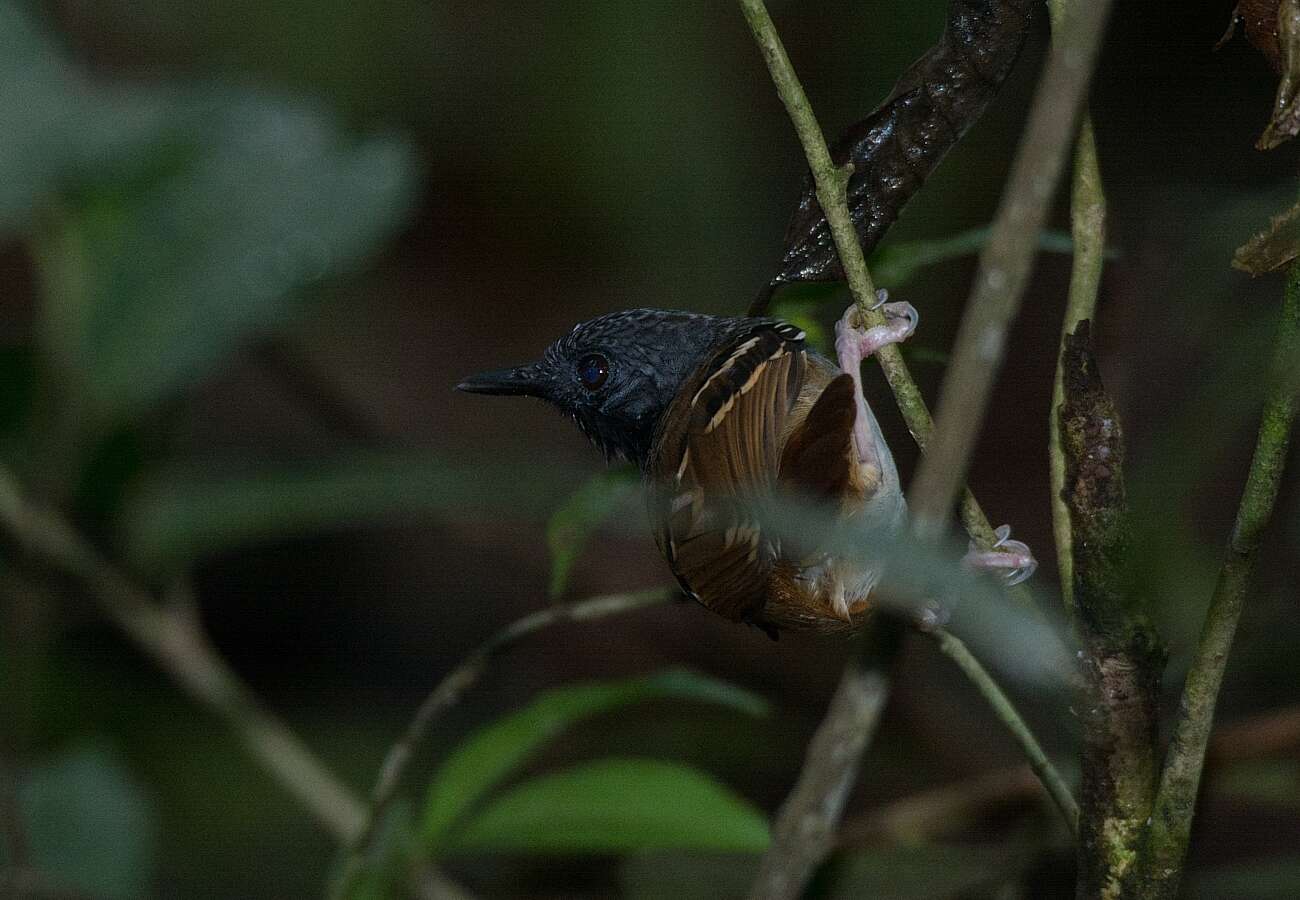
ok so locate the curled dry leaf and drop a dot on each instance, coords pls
(1273, 27)
(896, 148)
(1285, 121)
(1259, 20)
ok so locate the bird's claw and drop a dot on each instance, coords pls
(1011, 558)
(853, 343)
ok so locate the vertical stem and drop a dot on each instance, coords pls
(1122, 657)
(1006, 263)
(1171, 821)
(830, 182)
(804, 832)
(1088, 229)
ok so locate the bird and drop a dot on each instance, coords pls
(715, 410)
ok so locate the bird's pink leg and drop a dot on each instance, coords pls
(1013, 559)
(853, 344)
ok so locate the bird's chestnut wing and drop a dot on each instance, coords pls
(719, 444)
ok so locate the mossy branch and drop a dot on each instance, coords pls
(1122, 657)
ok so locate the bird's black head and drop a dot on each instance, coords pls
(615, 375)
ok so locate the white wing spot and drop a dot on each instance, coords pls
(753, 379)
(721, 414)
(740, 351)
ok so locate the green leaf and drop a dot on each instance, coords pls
(251, 200)
(616, 806)
(58, 128)
(573, 523)
(497, 751)
(90, 827)
(173, 518)
(177, 221)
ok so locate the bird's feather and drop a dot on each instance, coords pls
(720, 445)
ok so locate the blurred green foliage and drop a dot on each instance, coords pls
(92, 828)
(582, 515)
(493, 754)
(609, 805)
(613, 806)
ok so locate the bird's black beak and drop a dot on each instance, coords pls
(523, 380)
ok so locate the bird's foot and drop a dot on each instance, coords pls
(853, 343)
(1013, 560)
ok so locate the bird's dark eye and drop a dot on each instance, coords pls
(593, 369)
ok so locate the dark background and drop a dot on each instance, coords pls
(568, 159)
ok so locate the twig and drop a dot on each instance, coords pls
(1180, 779)
(957, 651)
(804, 832)
(816, 802)
(175, 639)
(1006, 262)
(449, 690)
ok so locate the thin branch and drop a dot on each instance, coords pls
(804, 832)
(453, 685)
(952, 647)
(830, 179)
(175, 640)
(1180, 779)
(1006, 262)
